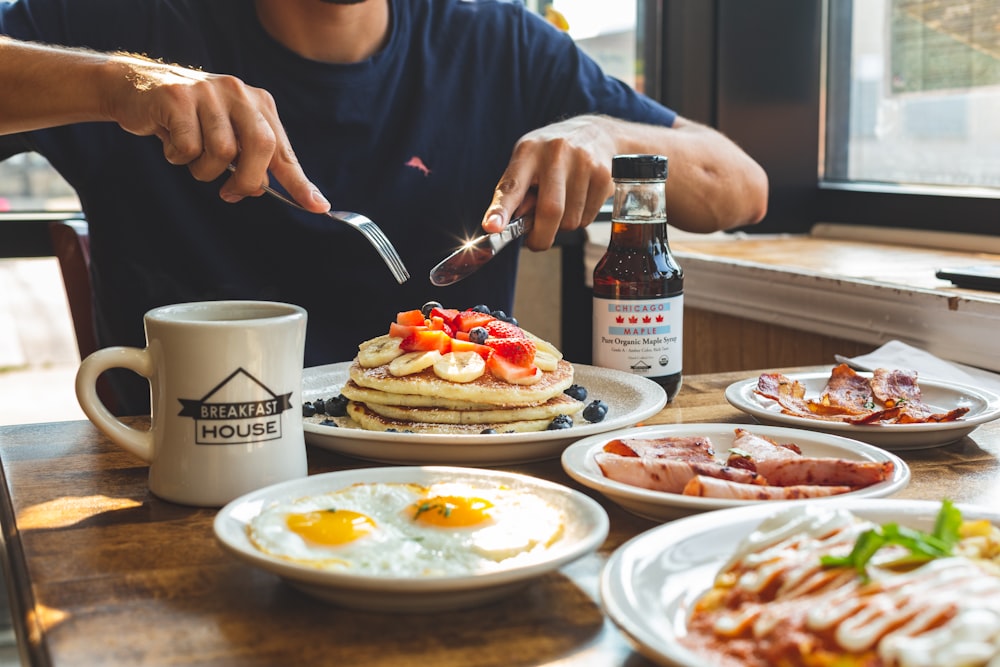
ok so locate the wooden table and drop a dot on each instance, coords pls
(101, 572)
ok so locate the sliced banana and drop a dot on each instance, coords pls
(378, 351)
(413, 362)
(460, 366)
(545, 361)
(529, 379)
(542, 345)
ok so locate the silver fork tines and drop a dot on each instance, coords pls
(363, 224)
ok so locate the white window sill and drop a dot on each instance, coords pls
(861, 284)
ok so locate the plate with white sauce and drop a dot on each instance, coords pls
(651, 583)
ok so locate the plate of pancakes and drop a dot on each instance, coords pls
(424, 421)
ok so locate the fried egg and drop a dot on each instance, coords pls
(409, 530)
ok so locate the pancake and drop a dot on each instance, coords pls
(557, 405)
(370, 421)
(355, 392)
(484, 389)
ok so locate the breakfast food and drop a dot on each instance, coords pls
(887, 397)
(440, 370)
(754, 468)
(410, 530)
(817, 586)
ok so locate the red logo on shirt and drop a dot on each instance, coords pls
(419, 165)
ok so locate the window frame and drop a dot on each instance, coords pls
(738, 47)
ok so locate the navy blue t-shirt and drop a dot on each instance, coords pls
(415, 138)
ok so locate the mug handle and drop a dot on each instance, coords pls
(138, 442)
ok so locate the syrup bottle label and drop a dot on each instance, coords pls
(640, 336)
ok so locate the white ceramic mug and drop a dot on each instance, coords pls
(226, 387)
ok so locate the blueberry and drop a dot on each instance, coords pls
(481, 308)
(560, 422)
(499, 314)
(426, 308)
(576, 391)
(320, 406)
(328, 422)
(337, 407)
(595, 411)
(392, 430)
(308, 409)
(478, 335)
(488, 431)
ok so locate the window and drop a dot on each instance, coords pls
(29, 183)
(604, 31)
(868, 112)
(922, 79)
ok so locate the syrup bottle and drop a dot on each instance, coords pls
(638, 285)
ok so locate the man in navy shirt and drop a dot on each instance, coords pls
(435, 118)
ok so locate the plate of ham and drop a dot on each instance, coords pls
(889, 408)
(672, 470)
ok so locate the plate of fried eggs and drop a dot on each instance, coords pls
(411, 539)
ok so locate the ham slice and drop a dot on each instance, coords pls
(670, 475)
(710, 487)
(782, 466)
(686, 448)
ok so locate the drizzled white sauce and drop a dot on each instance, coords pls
(944, 613)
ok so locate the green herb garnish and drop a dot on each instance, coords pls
(922, 546)
(443, 509)
(740, 452)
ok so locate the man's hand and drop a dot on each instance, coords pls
(563, 170)
(208, 121)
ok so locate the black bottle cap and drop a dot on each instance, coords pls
(645, 167)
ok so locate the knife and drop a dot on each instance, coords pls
(473, 254)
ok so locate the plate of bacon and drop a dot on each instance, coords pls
(673, 470)
(888, 408)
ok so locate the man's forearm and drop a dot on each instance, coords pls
(47, 86)
(712, 184)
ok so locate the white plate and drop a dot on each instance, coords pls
(630, 399)
(983, 406)
(650, 583)
(586, 527)
(578, 462)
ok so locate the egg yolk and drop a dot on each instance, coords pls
(330, 527)
(453, 511)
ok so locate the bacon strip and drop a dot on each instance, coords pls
(889, 397)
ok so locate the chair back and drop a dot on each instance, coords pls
(71, 245)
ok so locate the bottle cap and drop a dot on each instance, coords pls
(646, 167)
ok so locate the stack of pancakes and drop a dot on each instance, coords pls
(424, 403)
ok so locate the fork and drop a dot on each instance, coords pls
(363, 224)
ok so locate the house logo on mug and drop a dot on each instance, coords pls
(256, 417)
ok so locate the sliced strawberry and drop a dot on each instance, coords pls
(411, 318)
(501, 329)
(518, 351)
(427, 339)
(508, 371)
(467, 319)
(460, 345)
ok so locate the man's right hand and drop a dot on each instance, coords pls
(207, 122)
